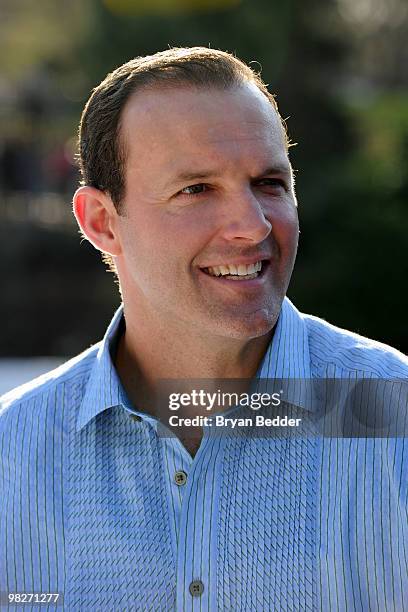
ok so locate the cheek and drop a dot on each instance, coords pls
(285, 226)
(165, 244)
(188, 230)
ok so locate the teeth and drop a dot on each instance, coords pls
(246, 277)
(233, 271)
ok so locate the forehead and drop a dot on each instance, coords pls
(171, 127)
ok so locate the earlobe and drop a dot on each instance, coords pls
(96, 215)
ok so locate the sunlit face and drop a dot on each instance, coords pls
(208, 187)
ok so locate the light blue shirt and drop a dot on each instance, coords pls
(90, 507)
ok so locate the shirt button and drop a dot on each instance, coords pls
(135, 417)
(196, 588)
(180, 478)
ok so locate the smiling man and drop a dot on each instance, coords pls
(188, 190)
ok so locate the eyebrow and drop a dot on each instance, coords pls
(278, 168)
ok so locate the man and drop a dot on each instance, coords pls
(188, 190)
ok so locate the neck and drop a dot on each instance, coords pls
(149, 352)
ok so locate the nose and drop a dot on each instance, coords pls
(245, 219)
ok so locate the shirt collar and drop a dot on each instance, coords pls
(288, 353)
(287, 357)
(104, 389)
(287, 360)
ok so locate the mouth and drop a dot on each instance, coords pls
(237, 272)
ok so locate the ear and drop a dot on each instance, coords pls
(96, 216)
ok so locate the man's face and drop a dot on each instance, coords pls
(208, 187)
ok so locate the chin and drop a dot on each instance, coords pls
(248, 327)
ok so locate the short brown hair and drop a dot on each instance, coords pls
(101, 154)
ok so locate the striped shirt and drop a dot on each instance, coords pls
(92, 507)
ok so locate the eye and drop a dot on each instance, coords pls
(273, 183)
(194, 189)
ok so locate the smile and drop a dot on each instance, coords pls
(238, 272)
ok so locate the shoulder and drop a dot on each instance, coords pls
(63, 385)
(349, 351)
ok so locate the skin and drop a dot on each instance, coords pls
(180, 322)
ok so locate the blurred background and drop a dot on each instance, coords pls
(339, 69)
